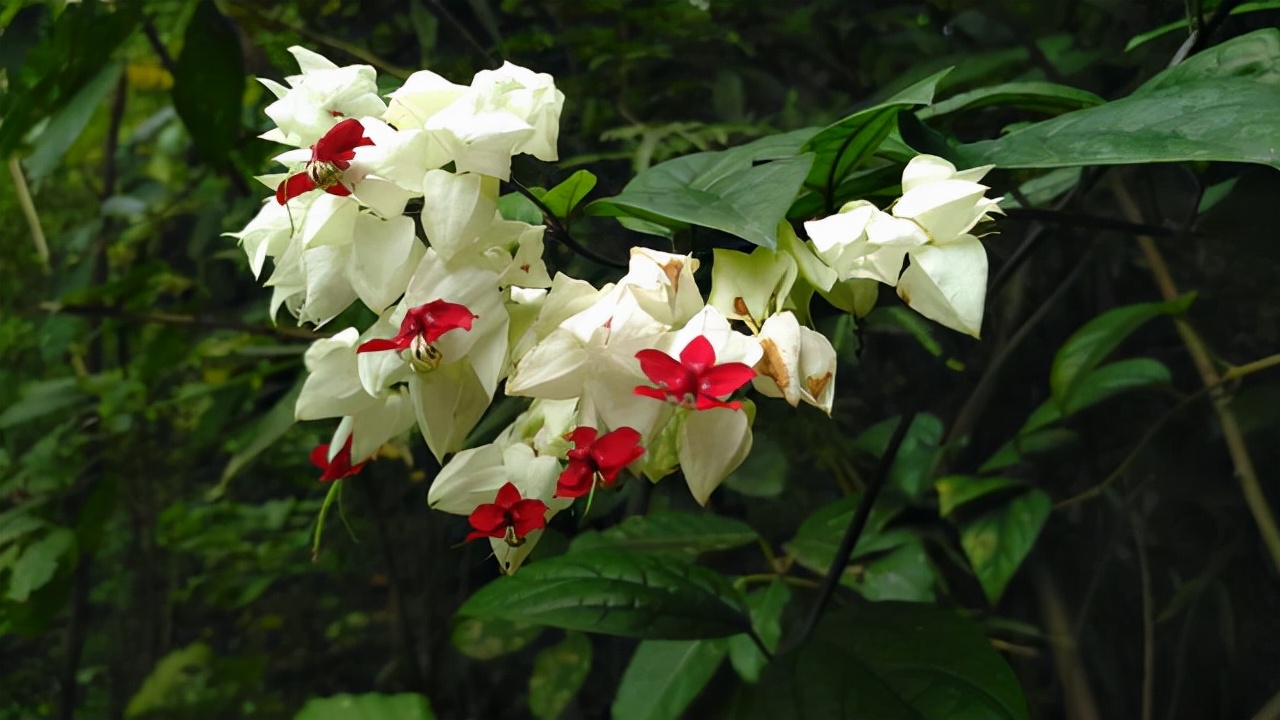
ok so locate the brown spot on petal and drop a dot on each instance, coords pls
(740, 306)
(672, 271)
(525, 267)
(905, 297)
(817, 383)
(771, 365)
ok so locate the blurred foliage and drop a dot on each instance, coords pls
(156, 505)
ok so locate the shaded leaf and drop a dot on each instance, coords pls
(370, 706)
(1042, 97)
(38, 563)
(616, 593)
(1144, 38)
(676, 532)
(208, 82)
(558, 674)
(1036, 442)
(766, 608)
(486, 639)
(919, 453)
(1094, 341)
(263, 434)
(664, 676)
(888, 661)
(997, 542)
(955, 491)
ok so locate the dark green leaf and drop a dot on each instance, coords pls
(1036, 442)
(616, 593)
(766, 608)
(65, 126)
(208, 82)
(18, 522)
(889, 661)
(370, 706)
(997, 542)
(721, 190)
(957, 490)
(917, 456)
(818, 537)
(1093, 342)
(764, 472)
(846, 144)
(43, 397)
(1225, 119)
(1255, 56)
(903, 573)
(261, 435)
(664, 676)
(563, 198)
(558, 673)
(486, 639)
(675, 532)
(1042, 97)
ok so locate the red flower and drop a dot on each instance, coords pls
(694, 374)
(330, 156)
(508, 518)
(337, 468)
(595, 459)
(428, 321)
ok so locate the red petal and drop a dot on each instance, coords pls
(439, 317)
(488, 519)
(665, 371)
(342, 137)
(320, 456)
(338, 189)
(527, 516)
(575, 481)
(616, 450)
(293, 186)
(508, 496)
(706, 402)
(698, 355)
(722, 380)
(582, 436)
(378, 345)
(652, 392)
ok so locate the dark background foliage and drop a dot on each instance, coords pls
(148, 450)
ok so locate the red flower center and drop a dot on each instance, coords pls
(508, 518)
(597, 460)
(693, 381)
(419, 330)
(330, 157)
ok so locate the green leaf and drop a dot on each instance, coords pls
(997, 542)
(1144, 38)
(848, 143)
(370, 706)
(178, 681)
(558, 674)
(764, 472)
(616, 593)
(1224, 119)
(18, 522)
(674, 532)
(664, 677)
(955, 491)
(1045, 188)
(1099, 385)
(208, 82)
(1036, 442)
(514, 206)
(38, 563)
(1255, 56)
(1041, 97)
(888, 661)
(563, 198)
(1093, 342)
(919, 453)
(261, 435)
(721, 190)
(43, 397)
(486, 639)
(65, 126)
(766, 608)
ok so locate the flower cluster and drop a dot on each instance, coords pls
(644, 374)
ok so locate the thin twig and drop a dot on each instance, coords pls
(1148, 622)
(560, 232)
(1245, 472)
(1077, 696)
(857, 524)
(106, 311)
(157, 45)
(29, 212)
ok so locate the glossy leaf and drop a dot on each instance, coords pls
(1224, 119)
(1041, 97)
(370, 706)
(998, 541)
(1093, 342)
(486, 639)
(766, 608)
(208, 82)
(563, 198)
(664, 677)
(721, 190)
(616, 593)
(888, 661)
(558, 674)
(675, 532)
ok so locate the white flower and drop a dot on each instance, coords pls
(797, 363)
(318, 98)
